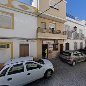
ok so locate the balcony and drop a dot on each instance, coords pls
(50, 34)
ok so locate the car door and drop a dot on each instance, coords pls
(16, 75)
(76, 57)
(34, 71)
(82, 57)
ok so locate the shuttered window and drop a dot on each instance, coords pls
(6, 20)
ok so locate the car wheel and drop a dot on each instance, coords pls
(48, 73)
(73, 63)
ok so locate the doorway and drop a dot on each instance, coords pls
(61, 48)
(24, 50)
(45, 50)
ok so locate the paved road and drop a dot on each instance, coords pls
(65, 75)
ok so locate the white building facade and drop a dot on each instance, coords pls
(75, 31)
(18, 26)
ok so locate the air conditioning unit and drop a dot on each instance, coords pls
(4, 46)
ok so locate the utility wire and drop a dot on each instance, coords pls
(50, 7)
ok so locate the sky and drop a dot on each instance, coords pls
(76, 8)
(29, 2)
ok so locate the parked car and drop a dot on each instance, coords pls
(82, 50)
(72, 57)
(21, 71)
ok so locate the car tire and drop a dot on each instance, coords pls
(48, 73)
(73, 63)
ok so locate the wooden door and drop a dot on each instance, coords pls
(24, 50)
(61, 48)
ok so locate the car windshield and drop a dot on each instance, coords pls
(4, 72)
(66, 53)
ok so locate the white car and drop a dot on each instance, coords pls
(21, 71)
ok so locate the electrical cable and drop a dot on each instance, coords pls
(49, 8)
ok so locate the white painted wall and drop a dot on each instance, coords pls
(25, 26)
(71, 44)
(32, 47)
(80, 25)
(5, 54)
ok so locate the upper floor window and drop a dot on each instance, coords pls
(52, 26)
(80, 31)
(6, 20)
(43, 25)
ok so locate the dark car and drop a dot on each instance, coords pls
(72, 57)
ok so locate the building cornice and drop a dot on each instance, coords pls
(18, 6)
(18, 10)
(51, 17)
(74, 21)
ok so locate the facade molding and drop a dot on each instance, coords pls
(18, 10)
(48, 16)
(74, 21)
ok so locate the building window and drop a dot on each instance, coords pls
(55, 46)
(52, 26)
(6, 20)
(85, 43)
(43, 25)
(67, 45)
(81, 45)
(75, 45)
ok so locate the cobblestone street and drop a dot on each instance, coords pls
(64, 75)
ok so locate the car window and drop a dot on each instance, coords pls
(80, 54)
(32, 65)
(4, 72)
(76, 54)
(66, 53)
(18, 68)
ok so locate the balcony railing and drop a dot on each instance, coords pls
(73, 35)
(50, 34)
(49, 31)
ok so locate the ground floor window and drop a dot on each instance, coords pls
(81, 45)
(55, 46)
(85, 43)
(66, 46)
(75, 45)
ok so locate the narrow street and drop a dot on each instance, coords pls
(64, 75)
